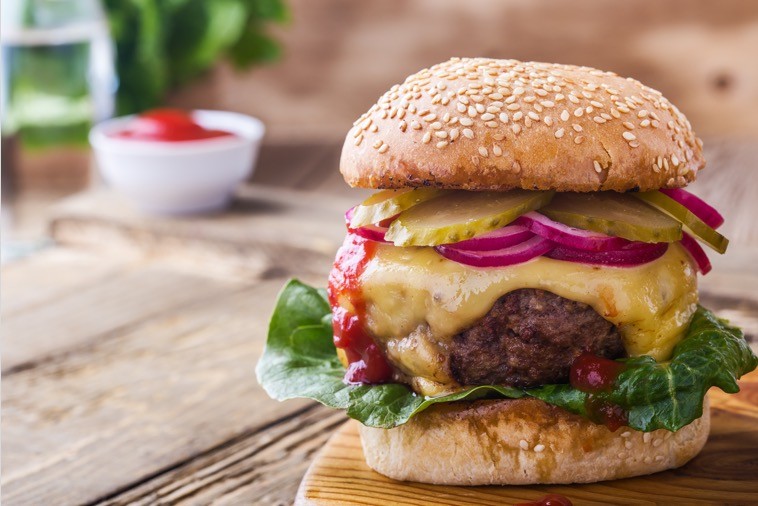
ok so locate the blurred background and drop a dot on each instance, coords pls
(308, 68)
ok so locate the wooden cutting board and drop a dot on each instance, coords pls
(725, 472)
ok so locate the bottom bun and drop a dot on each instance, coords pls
(522, 441)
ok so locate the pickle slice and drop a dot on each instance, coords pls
(692, 224)
(388, 203)
(616, 214)
(461, 215)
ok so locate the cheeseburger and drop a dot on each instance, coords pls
(517, 304)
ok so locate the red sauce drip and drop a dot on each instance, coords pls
(610, 415)
(168, 125)
(592, 374)
(549, 500)
(367, 362)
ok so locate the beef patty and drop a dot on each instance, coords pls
(530, 338)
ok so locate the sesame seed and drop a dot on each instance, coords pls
(626, 434)
(463, 99)
(415, 125)
(595, 103)
(493, 110)
(647, 460)
(615, 113)
(589, 109)
(539, 448)
(645, 123)
(573, 98)
(674, 160)
(577, 128)
(377, 143)
(516, 128)
(472, 111)
(628, 125)
(658, 458)
(483, 151)
(598, 169)
(490, 124)
(441, 134)
(523, 444)
(578, 112)
(466, 121)
(518, 91)
(479, 108)
(548, 120)
(532, 115)
(518, 115)
(628, 445)
(468, 133)
(547, 103)
(436, 125)
(403, 126)
(358, 140)
(427, 137)
(384, 148)
(430, 117)
(565, 115)
(559, 133)
(487, 116)
(496, 150)
(460, 107)
(634, 144)
(628, 136)
(442, 144)
(657, 442)
(642, 113)
(503, 117)
(598, 119)
(578, 139)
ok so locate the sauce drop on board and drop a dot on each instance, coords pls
(549, 500)
(367, 363)
(168, 125)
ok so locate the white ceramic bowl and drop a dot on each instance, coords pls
(179, 177)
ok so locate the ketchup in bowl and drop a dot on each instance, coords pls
(167, 125)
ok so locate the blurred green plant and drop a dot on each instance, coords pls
(162, 44)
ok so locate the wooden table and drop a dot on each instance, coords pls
(129, 348)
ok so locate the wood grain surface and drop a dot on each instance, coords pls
(723, 473)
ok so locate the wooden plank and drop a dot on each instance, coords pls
(264, 467)
(721, 473)
(87, 314)
(79, 427)
(268, 230)
(43, 277)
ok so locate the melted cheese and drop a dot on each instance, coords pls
(416, 301)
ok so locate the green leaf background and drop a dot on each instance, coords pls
(162, 44)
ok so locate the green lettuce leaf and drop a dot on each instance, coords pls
(300, 360)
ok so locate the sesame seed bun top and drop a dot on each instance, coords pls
(485, 124)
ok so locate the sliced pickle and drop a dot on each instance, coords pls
(692, 223)
(461, 215)
(388, 203)
(616, 214)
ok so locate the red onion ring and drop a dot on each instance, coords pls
(519, 253)
(628, 256)
(371, 232)
(504, 237)
(571, 237)
(696, 205)
(696, 253)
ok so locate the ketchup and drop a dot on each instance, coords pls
(168, 125)
(593, 374)
(549, 500)
(367, 363)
